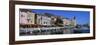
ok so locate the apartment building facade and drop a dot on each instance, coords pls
(43, 20)
(27, 17)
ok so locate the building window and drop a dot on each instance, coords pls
(22, 15)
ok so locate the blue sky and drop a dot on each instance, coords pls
(82, 17)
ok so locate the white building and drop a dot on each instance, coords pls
(27, 17)
(43, 20)
(23, 17)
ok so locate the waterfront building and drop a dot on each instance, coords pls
(51, 24)
(23, 17)
(31, 18)
(43, 20)
(27, 16)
